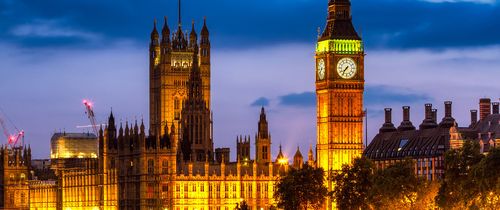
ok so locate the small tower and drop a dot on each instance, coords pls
(205, 44)
(298, 160)
(14, 173)
(263, 140)
(243, 148)
(154, 47)
(193, 37)
(310, 157)
(166, 45)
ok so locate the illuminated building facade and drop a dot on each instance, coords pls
(339, 91)
(73, 145)
(14, 176)
(171, 62)
(427, 145)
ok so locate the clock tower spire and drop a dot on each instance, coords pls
(339, 91)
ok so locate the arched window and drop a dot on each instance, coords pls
(151, 164)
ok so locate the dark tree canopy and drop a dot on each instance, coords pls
(362, 186)
(457, 189)
(302, 189)
(353, 183)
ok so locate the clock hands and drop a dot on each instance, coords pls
(347, 67)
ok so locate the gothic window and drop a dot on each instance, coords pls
(23, 198)
(176, 103)
(112, 163)
(226, 189)
(264, 152)
(164, 167)
(151, 169)
(150, 190)
(202, 188)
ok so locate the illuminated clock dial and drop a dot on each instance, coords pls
(346, 68)
(321, 69)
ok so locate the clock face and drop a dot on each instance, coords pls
(346, 68)
(321, 69)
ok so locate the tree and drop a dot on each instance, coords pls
(302, 189)
(485, 175)
(398, 187)
(242, 206)
(353, 184)
(457, 189)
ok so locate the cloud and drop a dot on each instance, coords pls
(51, 29)
(460, 1)
(305, 99)
(390, 94)
(57, 79)
(373, 95)
(262, 101)
(395, 24)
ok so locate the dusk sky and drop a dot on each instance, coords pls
(55, 53)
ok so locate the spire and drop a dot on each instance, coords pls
(204, 30)
(154, 34)
(263, 131)
(165, 32)
(142, 126)
(180, 18)
(195, 82)
(310, 155)
(339, 23)
(193, 37)
(280, 154)
(111, 120)
(298, 154)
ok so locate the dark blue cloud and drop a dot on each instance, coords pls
(382, 94)
(305, 99)
(373, 95)
(383, 23)
(262, 101)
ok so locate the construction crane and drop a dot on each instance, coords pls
(12, 139)
(89, 110)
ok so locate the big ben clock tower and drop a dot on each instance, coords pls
(339, 90)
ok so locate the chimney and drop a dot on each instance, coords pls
(434, 115)
(495, 107)
(428, 111)
(448, 120)
(429, 121)
(406, 113)
(388, 115)
(484, 108)
(447, 108)
(473, 117)
(388, 126)
(406, 124)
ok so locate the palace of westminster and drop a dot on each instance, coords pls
(173, 165)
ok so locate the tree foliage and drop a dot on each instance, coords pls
(242, 206)
(361, 186)
(302, 189)
(457, 189)
(353, 183)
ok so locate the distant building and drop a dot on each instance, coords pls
(73, 145)
(173, 165)
(14, 176)
(428, 144)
